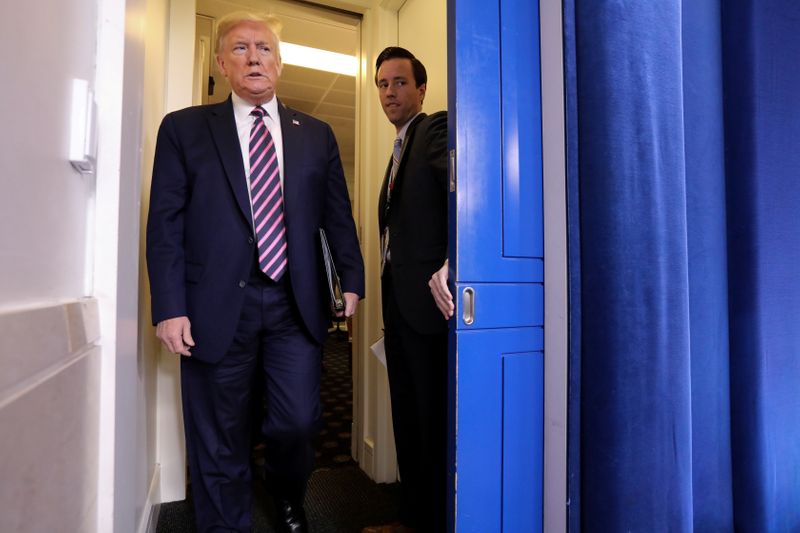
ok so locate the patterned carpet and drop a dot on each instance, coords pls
(340, 497)
(336, 392)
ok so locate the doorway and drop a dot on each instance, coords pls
(378, 26)
(320, 50)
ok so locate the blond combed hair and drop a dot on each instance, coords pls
(231, 20)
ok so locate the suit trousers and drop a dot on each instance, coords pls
(217, 399)
(417, 368)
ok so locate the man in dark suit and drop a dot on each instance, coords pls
(239, 192)
(412, 216)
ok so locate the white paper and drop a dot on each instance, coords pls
(378, 351)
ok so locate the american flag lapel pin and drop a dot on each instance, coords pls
(295, 122)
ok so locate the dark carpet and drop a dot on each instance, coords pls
(340, 497)
(336, 392)
(339, 500)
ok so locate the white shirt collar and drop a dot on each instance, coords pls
(242, 108)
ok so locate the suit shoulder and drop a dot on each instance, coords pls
(193, 112)
(434, 120)
(439, 116)
(298, 115)
(304, 118)
(434, 125)
(198, 109)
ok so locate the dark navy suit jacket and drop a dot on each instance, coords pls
(417, 220)
(200, 242)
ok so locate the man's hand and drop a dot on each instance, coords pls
(175, 334)
(441, 294)
(350, 304)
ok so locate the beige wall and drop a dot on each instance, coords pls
(149, 473)
(423, 30)
(168, 87)
(373, 444)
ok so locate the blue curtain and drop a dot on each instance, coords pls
(683, 123)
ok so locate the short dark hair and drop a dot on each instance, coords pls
(397, 52)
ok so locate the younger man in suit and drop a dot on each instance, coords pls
(412, 216)
(239, 192)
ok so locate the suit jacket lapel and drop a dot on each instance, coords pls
(292, 133)
(408, 141)
(223, 130)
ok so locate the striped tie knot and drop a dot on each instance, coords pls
(258, 111)
(398, 143)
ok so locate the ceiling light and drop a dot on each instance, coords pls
(305, 56)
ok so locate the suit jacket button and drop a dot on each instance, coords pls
(242, 284)
(250, 240)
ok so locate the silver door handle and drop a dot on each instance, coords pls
(452, 170)
(468, 305)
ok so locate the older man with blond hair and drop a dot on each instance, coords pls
(240, 190)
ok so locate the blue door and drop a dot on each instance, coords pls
(496, 254)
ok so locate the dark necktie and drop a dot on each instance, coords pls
(265, 194)
(396, 151)
(398, 144)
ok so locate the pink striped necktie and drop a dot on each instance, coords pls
(265, 195)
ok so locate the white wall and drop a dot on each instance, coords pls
(77, 402)
(122, 472)
(44, 202)
(49, 358)
(139, 428)
(48, 418)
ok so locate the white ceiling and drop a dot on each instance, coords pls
(324, 95)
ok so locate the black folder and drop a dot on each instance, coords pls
(334, 284)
